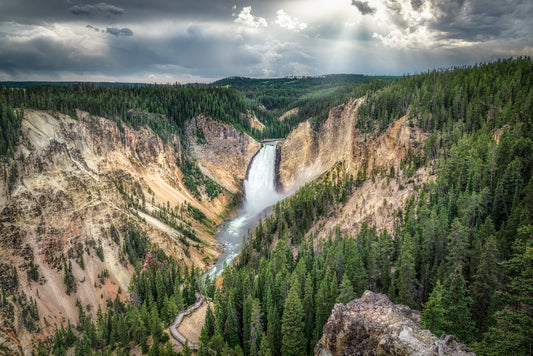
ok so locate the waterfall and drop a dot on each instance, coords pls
(259, 194)
(260, 185)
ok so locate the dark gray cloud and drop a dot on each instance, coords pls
(45, 56)
(194, 52)
(119, 31)
(363, 7)
(100, 9)
(31, 11)
(482, 20)
(396, 13)
(93, 28)
(416, 4)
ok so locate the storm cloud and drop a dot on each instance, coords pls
(363, 7)
(100, 9)
(203, 40)
(476, 20)
(119, 31)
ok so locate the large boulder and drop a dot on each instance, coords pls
(373, 325)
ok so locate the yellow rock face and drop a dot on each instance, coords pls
(78, 178)
(225, 155)
(306, 154)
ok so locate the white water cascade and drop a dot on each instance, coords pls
(259, 194)
(260, 185)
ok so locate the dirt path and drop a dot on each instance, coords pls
(191, 326)
(176, 334)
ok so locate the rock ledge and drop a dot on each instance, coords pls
(373, 325)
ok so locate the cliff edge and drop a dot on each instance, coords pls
(373, 325)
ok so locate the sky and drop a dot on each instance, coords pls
(167, 41)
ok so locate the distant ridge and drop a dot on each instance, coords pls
(300, 82)
(295, 82)
(25, 84)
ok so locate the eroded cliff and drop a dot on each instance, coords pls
(224, 153)
(306, 153)
(383, 184)
(78, 184)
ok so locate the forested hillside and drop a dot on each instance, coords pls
(463, 253)
(312, 97)
(166, 108)
(119, 187)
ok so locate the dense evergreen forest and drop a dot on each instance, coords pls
(166, 108)
(463, 254)
(163, 108)
(312, 96)
(305, 82)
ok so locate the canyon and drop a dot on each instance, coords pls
(81, 180)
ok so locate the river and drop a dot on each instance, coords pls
(259, 194)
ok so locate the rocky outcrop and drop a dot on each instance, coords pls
(373, 325)
(224, 153)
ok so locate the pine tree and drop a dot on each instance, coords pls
(122, 331)
(457, 246)
(216, 344)
(264, 348)
(512, 334)
(433, 315)
(485, 282)
(256, 329)
(457, 303)
(169, 350)
(246, 319)
(70, 337)
(274, 330)
(83, 346)
(346, 292)
(231, 325)
(155, 322)
(293, 341)
(178, 298)
(323, 304)
(308, 308)
(406, 274)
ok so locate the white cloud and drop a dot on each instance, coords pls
(72, 36)
(290, 23)
(397, 24)
(246, 18)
